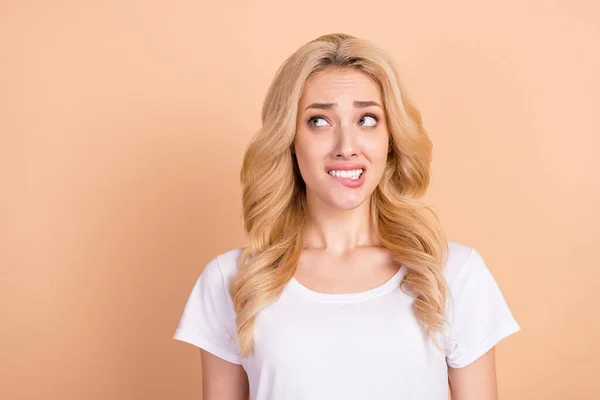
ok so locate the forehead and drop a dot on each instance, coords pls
(340, 85)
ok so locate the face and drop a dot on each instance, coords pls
(341, 141)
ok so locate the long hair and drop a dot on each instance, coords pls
(274, 194)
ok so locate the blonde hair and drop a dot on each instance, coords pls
(274, 202)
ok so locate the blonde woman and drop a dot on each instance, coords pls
(348, 288)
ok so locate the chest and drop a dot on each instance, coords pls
(362, 270)
(305, 337)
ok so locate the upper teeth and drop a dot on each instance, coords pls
(352, 174)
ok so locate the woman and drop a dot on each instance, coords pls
(348, 288)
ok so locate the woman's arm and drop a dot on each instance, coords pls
(476, 381)
(222, 380)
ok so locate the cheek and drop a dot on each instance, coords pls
(309, 153)
(308, 161)
(377, 150)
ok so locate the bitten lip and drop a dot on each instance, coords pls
(344, 167)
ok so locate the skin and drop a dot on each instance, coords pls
(222, 380)
(341, 120)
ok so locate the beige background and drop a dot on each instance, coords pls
(122, 128)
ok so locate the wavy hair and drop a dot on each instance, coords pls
(274, 194)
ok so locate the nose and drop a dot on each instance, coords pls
(346, 146)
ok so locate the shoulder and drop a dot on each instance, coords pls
(462, 262)
(468, 276)
(225, 264)
(216, 276)
(458, 256)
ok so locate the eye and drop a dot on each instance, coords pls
(317, 121)
(368, 120)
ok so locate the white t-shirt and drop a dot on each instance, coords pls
(356, 346)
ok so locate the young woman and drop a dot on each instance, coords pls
(348, 288)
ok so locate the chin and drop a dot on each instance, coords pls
(341, 198)
(348, 203)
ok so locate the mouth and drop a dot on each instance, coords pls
(351, 178)
(353, 174)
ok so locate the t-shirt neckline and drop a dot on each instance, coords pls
(389, 285)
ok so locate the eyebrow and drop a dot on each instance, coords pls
(358, 104)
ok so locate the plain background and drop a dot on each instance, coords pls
(123, 125)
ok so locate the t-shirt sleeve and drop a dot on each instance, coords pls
(479, 316)
(208, 320)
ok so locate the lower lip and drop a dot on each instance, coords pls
(351, 183)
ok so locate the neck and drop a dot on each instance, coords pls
(336, 230)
